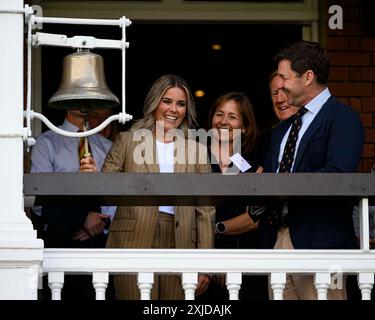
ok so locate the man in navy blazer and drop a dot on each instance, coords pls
(330, 140)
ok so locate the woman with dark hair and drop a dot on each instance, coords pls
(234, 130)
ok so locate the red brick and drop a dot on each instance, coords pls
(367, 44)
(343, 100)
(355, 74)
(370, 135)
(351, 89)
(368, 73)
(368, 151)
(366, 119)
(351, 14)
(359, 169)
(350, 58)
(368, 104)
(367, 165)
(339, 73)
(356, 104)
(353, 44)
(344, 3)
(336, 43)
(349, 29)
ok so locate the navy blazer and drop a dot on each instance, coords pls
(331, 144)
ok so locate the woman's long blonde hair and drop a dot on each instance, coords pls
(154, 96)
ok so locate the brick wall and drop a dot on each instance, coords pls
(352, 54)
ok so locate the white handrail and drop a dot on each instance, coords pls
(122, 118)
(324, 264)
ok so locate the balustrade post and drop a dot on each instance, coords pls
(189, 283)
(233, 282)
(21, 252)
(100, 283)
(364, 228)
(278, 281)
(56, 283)
(322, 281)
(145, 283)
(365, 283)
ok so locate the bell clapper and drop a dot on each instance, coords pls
(85, 109)
(85, 126)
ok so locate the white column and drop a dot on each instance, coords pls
(233, 282)
(56, 283)
(365, 283)
(20, 251)
(364, 224)
(100, 283)
(322, 280)
(278, 281)
(189, 283)
(145, 283)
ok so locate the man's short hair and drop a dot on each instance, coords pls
(306, 55)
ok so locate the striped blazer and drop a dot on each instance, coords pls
(134, 226)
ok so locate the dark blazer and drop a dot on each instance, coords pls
(332, 144)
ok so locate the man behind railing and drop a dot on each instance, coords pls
(324, 136)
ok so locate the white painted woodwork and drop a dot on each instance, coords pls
(365, 284)
(322, 280)
(189, 284)
(145, 283)
(20, 251)
(277, 283)
(233, 282)
(100, 284)
(56, 283)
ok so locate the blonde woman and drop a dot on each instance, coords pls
(150, 147)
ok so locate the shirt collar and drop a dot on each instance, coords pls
(68, 126)
(316, 104)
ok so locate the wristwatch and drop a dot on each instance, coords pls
(220, 228)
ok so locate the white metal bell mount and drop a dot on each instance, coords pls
(84, 42)
(81, 42)
(121, 117)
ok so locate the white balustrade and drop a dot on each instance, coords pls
(145, 283)
(190, 262)
(278, 280)
(56, 283)
(322, 280)
(233, 282)
(100, 283)
(365, 284)
(189, 283)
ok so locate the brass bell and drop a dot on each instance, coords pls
(83, 86)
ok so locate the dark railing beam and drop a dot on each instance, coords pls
(193, 189)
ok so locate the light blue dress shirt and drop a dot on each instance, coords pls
(313, 108)
(56, 153)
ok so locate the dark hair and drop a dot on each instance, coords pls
(306, 55)
(247, 114)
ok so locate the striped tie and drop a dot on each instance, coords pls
(290, 146)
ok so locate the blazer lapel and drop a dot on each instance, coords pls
(314, 126)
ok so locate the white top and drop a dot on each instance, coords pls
(313, 107)
(165, 158)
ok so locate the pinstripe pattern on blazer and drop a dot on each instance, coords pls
(134, 226)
